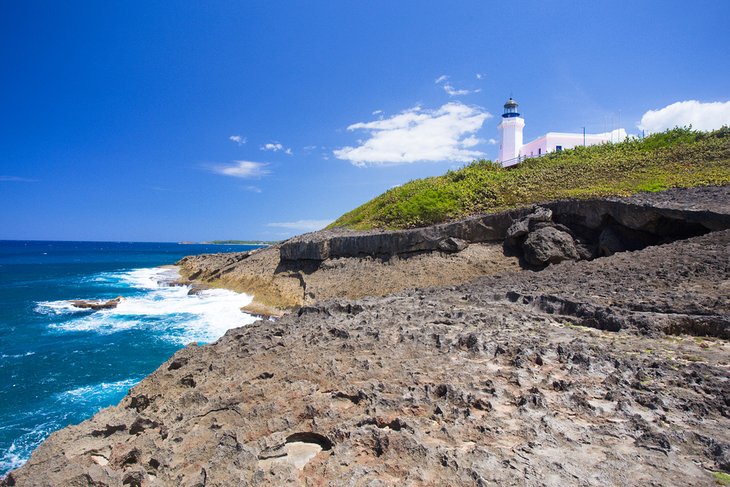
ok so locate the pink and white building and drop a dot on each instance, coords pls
(513, 151)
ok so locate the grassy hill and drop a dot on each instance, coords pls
(680, 157)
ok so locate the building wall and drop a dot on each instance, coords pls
(535, 147)
(552, 140)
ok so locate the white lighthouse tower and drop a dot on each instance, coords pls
(510, 131)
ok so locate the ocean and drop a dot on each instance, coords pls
(60, 364)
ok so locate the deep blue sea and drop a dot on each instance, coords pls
(60, 364)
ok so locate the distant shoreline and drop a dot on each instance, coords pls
(230, 242)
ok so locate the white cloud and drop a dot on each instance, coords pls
(377, 112)
(241, 169)
(451, 91)
(449, 88)
(17, 179)
(276, 147)
(616, 135)
(447, 133)
(302, 225)
(702, 116)
(479, 76)
(238, 139)
(492, 142)
(272, 146)
(253, 189)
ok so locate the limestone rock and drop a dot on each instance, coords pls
(96, 305)
(548, 245)
(523, 226)
(452, 244)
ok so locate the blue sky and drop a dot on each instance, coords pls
(168, 121)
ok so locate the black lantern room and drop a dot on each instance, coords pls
(510, 109)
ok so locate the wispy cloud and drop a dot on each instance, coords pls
(301, 225)
(449, 88)
(479, 76)
(702, 116)
(253, 189)
(241, 169)
(377, 112)
(17, 179)
(276, 147)
(492, 142)
(447, 133)
(238, 139)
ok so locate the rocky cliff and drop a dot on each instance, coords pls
(347, 264)
(593, 371)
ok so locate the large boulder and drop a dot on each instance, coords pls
(523, 226)
(548, 245)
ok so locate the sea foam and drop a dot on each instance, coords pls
(90, 398)
(169, 311)
(96, 392)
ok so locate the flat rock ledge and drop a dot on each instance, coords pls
(582, 374)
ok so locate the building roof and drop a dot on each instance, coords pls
(510, 103)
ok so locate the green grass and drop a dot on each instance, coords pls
(677, 158)
(721, 478)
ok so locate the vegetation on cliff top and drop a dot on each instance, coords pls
(677, 158)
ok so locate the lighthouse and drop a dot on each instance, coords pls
(510, 131)
(512, 151)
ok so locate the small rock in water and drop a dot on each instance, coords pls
(97, 305)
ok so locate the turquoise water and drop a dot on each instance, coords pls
(59, 364)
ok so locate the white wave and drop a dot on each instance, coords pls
(20, 449)
(100, 322)
(63, 307)
(148, 278)
(169, 310)
(12, 458)
(17, 355)
(51, 419)
(96, 392)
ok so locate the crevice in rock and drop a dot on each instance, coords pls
(353, 398)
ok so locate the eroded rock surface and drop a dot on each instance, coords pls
(287, 284)
(487, 383)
